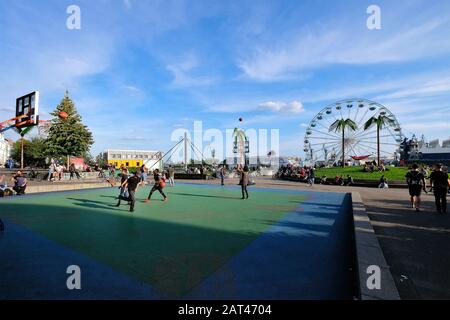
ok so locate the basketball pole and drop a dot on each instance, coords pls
(185, 152)
(21, 152)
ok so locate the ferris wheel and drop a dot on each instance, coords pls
(322, 143)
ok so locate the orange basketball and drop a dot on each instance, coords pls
(162, 184)
(63, 115)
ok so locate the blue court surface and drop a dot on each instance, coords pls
(204, 243)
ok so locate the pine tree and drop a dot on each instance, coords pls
(67, 137)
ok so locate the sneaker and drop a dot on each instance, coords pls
(165, 200)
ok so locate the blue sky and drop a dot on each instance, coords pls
(137, 70)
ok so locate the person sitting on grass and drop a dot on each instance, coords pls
(20, 183)
(339, 181)
(383, 183)
(349, 181)
(323, 180)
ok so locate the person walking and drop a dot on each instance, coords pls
(51, 170)
(144, 173)
(311, 176)
(222, 174)
(244, 172)
(440, 183)
(416, 182)
(132, 184)
(171, 176)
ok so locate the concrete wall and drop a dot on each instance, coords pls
(54, 187)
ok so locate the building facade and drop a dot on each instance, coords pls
(5, 150)
(134, 158)
(418, 150)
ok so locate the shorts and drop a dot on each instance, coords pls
(415, 191)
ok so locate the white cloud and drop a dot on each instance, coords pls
(279, 106)
(132, 90)
(420, 126)
(291, 55)
(431, 87)
(127, 4)
(187, 74)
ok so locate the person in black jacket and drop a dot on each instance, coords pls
(132, 184)
(440, 183)
(416, 182)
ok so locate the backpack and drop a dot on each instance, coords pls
(415, 178)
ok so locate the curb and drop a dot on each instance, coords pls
(369, 253)
(64, 187)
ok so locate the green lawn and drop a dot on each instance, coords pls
(391, 173)
(172, 246)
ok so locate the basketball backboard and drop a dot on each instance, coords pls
(27, 110)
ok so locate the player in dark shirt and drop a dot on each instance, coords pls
(440, 183)
(132, 186)
(158, 186)
(416, 182)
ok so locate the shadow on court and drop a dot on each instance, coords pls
(238, 197)
(95, 204)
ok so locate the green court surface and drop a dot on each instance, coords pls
(171, 246)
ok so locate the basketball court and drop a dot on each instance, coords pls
(205, 243)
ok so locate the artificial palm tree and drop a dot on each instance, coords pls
(380, 121)
(239, 142)
(341, 125)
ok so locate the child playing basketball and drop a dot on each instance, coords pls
(159, 185)
(123, 179)
(132, 186)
